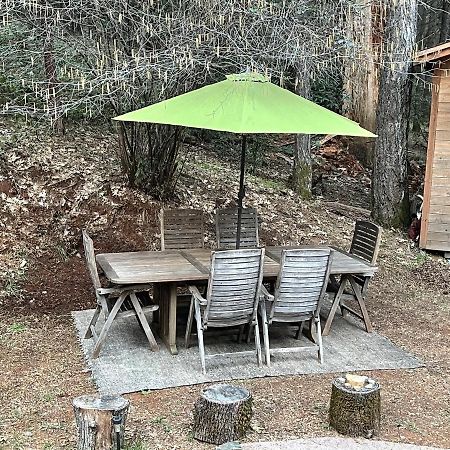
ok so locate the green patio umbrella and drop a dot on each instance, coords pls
(243, 104)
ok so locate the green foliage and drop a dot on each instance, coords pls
(421, 258)
(229, 147)
(257, 148)
(301, 180)
(135, 445)
(162, 421)
(326, 90)
(16, 328)
(274, 185)
(49, 396)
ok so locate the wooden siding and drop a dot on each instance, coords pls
(433, 54)
(435, 229)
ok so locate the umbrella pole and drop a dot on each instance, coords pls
(241, 194)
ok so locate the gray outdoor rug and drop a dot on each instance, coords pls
(126, 363)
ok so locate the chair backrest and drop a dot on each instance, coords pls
(182, 228)
(301, 284)
(366, 241)
(234, 287)
(226, 228)
(90, 259)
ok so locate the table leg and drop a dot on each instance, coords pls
(362, 305)
(334, 306)
(172, 330)
(165, 295)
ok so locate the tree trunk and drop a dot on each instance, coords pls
(302, 171)
(355, 411)
(222, 413)
(100, 421)
(52, 81)
(390, 178)
(361, 74)
(445, 22)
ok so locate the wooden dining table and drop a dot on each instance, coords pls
(169, 269)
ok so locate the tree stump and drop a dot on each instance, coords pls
(355, 406)
(222, 413)
(100, 421)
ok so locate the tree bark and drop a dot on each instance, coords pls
(302, 171)
(355, 412)
(444, 34)
(390, 172)
(95, 417)
(52, 81)
(361, 74)
(222, 414)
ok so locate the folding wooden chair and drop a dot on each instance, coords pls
(182, 228)
(232, 297)
(299, 291)
(110, 301)
(226, 228)
(365, 245)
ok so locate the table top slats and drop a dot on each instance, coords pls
(193, 265)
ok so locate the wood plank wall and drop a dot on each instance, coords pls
(435, 229)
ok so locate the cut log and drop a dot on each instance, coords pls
(100, 421)
(222, 413)
(355, 406)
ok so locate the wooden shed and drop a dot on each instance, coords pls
(435, 226)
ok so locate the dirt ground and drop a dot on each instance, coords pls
(51, 187)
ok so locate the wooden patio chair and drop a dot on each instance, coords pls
(231, 299)
(110, 301)
(226, 228)
(299, 291)
(365, 245)
(182, 228)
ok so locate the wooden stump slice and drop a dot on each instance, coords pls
(222, 413)
(355, 406)
(100, 421)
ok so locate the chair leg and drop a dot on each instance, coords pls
(319, 339)
(187, 336)
(265, 327)
(300, 330)
(258, 343)
(241, 333)
(201, 345)
(249, 333)
(106, 308)
(143, 321)
(112, 315)
(93, 321)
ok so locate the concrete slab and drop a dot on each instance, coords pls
(334, 443)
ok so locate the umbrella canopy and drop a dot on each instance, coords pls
(246, 103)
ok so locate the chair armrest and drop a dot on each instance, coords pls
(265, 295)
(196, 294)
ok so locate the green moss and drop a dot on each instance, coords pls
(301, 179)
